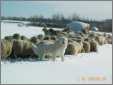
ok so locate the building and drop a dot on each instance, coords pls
(78, 26)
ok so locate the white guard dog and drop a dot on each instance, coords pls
(57, 49)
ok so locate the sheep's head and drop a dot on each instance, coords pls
(44, 29)
(53, 37)
(40, 36)
(16, 36)
(33, 39)
(47, 37)
(23, 37)
(8, 37)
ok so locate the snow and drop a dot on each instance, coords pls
(8, 29)
(68, 72)
(11, 28)
(94, 28)
(71, 71)
(15, 21)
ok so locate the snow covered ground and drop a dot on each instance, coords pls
(92, 68)
(28, 31)
(11, 28)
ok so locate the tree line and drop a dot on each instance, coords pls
(60, 21)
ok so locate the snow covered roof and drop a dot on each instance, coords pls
(77, 26)
(94, 28)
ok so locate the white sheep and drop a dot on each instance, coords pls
(53, 50)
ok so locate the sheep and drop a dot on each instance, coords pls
(8, 38)
(47, 37)
(16, 36)
(6, 49)
(22, 37)
(74, 47)
(53, 37)
(27, 49)
(83, 50)
(40, 37)
(17, 48)
(86, 46)
(100, 39)
(45, 31)
(80, 45)
(53, 50)
(66, 30)
(70, 50)
(93, 45)
(22, 49)
(34, 40)
(108, 39)
(51, 31)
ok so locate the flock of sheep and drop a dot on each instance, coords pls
(51, 45)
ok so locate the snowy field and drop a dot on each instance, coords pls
(11, 28)
(85, 68)
(28, 31)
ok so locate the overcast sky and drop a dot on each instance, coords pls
(89, 9)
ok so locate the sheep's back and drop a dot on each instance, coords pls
(6, 48)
